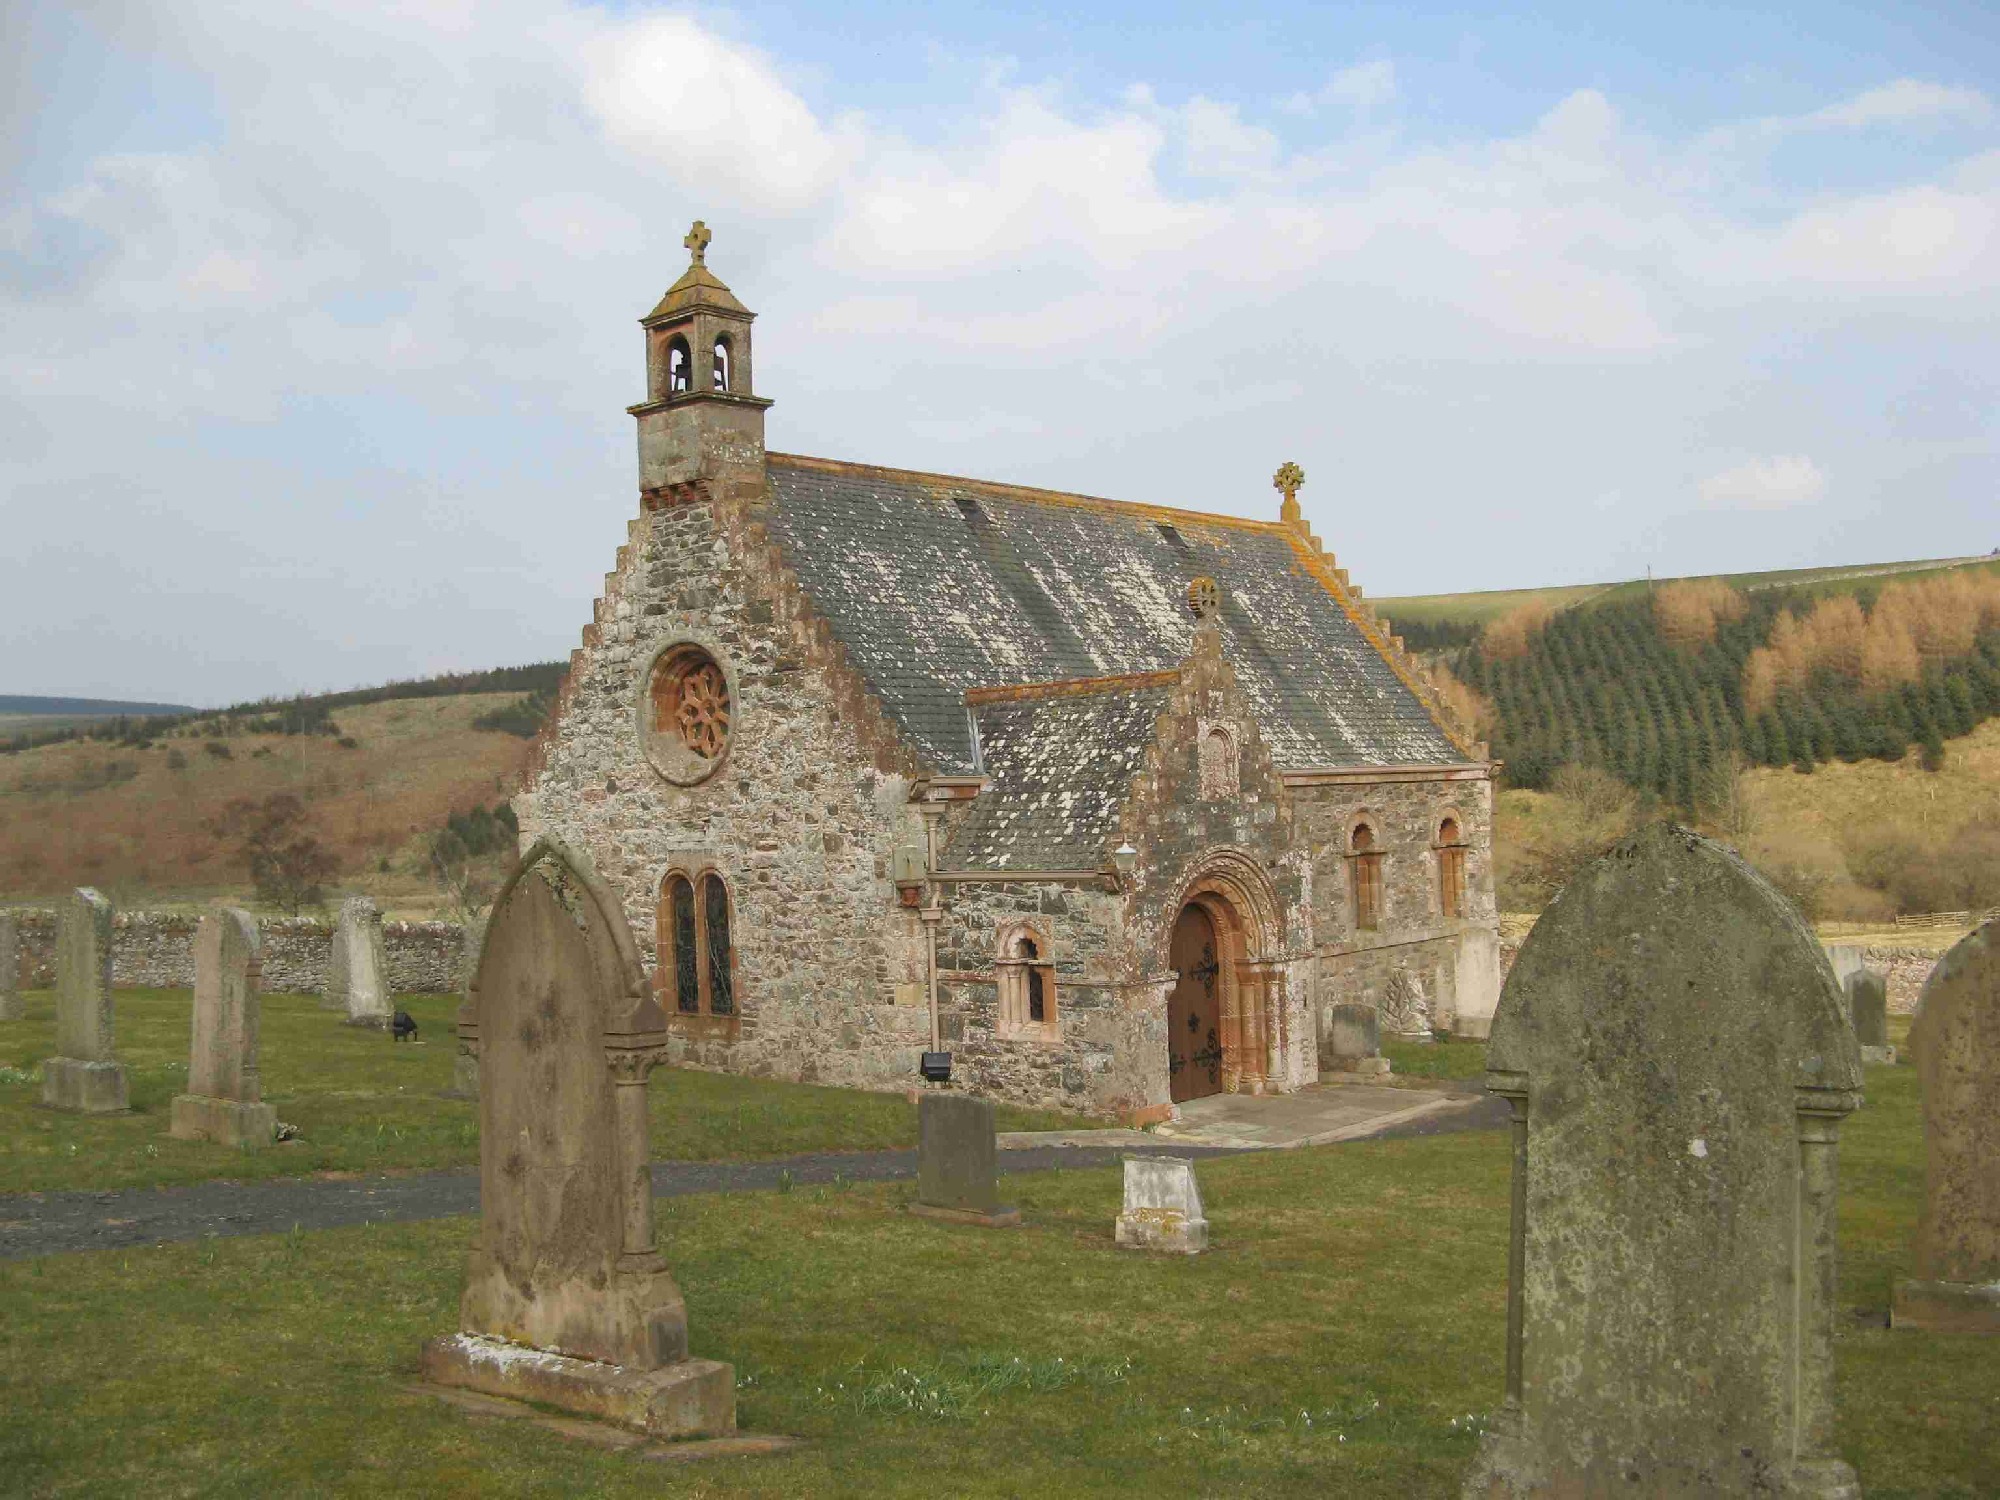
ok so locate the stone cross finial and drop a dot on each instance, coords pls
(697, 242)
(1287, 481)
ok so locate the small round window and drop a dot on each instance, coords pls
(686, 714)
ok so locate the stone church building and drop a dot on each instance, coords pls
(1110, 801)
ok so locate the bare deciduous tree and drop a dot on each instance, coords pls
(288, 866)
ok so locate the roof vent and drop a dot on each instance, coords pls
(1172, 533)
(969, 508)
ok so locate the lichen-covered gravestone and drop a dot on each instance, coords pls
(1162, 1206)
(1867, 995)
(567, 1301)
(358, 971)
(11, 1008)
(1351, 1040)
(1678, 1062)
(224, 1102)
(85, 1076)
(1955, 1041)
(958, 1162)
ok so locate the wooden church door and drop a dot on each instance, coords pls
(1194, 1009)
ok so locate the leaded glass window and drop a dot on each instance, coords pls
(721, 980)
(687, 953)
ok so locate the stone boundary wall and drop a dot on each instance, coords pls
(1905, 968)
(156, 950)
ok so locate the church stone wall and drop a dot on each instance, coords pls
(1414, 939)
(800, 821)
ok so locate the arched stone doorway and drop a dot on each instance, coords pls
(1219, 1009)
(1194, 1008)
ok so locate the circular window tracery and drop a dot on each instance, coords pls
(686, 714)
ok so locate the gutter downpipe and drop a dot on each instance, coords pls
(931, 913)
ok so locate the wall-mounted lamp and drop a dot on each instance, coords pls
(1125, 859)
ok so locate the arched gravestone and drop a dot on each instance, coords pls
(1955, 1041)
(1678, 1062)
(567, 1301)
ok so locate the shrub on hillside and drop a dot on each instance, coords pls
(524, 718)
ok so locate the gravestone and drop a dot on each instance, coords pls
(11, 1007)
(567, 1300)
(224, 1102)
(958, 1162)
(85, 1076)
(1352, 1041)
(1406, 1011)
(1677, 1059)
(1955, 1042)
(465, 1066)
(1846, 958)
(358, 971)
(1867, 995)
(1162, 1206)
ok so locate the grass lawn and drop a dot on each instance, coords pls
(1456, 1058)
(1334, 1342)
(364, 1103)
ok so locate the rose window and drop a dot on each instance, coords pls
(688, 714)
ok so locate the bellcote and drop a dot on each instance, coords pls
(698, 336)
(700, 411)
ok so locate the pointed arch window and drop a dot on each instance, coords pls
(719, 369)
(696, 974)
(1364, 872)
(680, 366)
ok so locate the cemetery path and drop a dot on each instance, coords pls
(57, 1223)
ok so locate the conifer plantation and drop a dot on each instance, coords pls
(1672, 691)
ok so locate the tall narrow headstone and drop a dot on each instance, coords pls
(1675, 1052)
(11, 1008)
(1162, 1207)
(465, 1066)
(567, 1301)
(359, 971)
(1955, 1041)
(85, 1076)
(224, 1102)
(1867, 994)
(958, 1162)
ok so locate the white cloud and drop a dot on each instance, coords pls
(1361, 90)
(1904, 101)
(1779, 482)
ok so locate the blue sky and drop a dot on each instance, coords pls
(321, 317)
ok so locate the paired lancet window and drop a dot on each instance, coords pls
(697, 968)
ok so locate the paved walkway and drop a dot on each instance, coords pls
(1316, 1116)
(54, 1223)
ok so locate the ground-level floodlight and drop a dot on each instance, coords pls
(936, 1067)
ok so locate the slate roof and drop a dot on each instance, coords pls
(936, 585)
(1058, 770)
